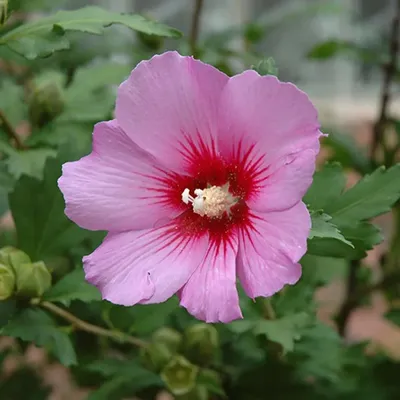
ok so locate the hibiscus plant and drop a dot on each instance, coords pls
(171, 223)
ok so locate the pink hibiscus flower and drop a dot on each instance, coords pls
(198, 180)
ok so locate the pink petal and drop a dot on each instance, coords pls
(261, 111)
(287, 185)
(167, 103)
(269, 125)
(211, 294)
(117, 187)
(144, 266)
(270, 249)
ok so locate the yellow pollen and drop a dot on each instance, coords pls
(212, 202)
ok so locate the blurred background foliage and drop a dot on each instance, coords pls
(58, 76)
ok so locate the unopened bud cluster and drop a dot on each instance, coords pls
(181, 359)
(20, 276)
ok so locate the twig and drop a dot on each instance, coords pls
(351, 301)
(90, 328)
(389, 72)
(10, 131)
(195, 26)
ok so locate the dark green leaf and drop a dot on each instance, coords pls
(45, 36)
(393, 316)
(43, 230)
(72, 287)
(328, 49)
(34, 325)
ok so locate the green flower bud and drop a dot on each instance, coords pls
(155, 356)
(3, 11)
(201, 342)
(7, 281)
(179, 375)
(47, 99)
(169, 337)
(12, 256)
(32, 279)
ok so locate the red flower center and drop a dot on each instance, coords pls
(241, 170)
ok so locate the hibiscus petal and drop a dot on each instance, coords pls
(269, 250)
(275, 117)
(211, 294)
(169, 106)
(287, 185)
(269, 126)
(144, 266)
(117, 187)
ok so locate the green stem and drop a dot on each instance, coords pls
(268, 310)
(195, 26)
(90, 328)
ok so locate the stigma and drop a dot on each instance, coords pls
(212, 202)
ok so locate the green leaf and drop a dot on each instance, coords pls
(323, 228)
(37, 207)
(88, 99)
(11, 101)
(363, 235)
(393, 316)
(329, 49)
(72, 287)
(6, 185)
(319, 353)
(373, 195)
(34, 325)
(28, 162)
(124, 378)
(285, 330)
(7, 310)
(266, 67)
(45, 36)
(328, 184)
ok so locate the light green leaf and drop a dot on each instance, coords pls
(285, 330)
(34, 325)
(43, 230)
(323, 228)
(28, 162)
(45, 36)
(72, 287)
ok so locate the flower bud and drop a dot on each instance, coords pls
(201, 343)
(169, 337)
(47, 100)
(155, 356)
(179, 375)
(7, 281)
(12, 256)
(32, 279)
